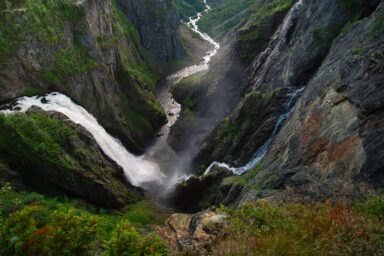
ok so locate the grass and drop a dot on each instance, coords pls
(296, 229)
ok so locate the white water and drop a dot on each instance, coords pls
(161, 152)
(136, 170)
(204, 64)
(262, 151)
(144, 171)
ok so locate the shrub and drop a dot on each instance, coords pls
(126, 241)
(66, 232)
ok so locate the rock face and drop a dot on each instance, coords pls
(333, 142)
(193, 234)
(64, 160)
(238, 137)
(97, 61)
(198, 193)
(158, 24)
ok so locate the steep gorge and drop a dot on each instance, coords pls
(285, 104)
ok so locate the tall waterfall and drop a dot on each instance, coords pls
(262, 151)
(137, 171)
(143, 171)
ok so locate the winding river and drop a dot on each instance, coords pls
(160, 168)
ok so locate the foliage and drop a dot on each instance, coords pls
(32, 224)
(295, 229)
(64, 232)
(126, 241)
(68, 61)
(43, 19)
(35, 137)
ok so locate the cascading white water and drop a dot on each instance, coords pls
(262, 151)
(204, 64)
(137, 170)
(161, 152)
(143, 171)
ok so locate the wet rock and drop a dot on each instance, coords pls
(44, 100)
(199, 192)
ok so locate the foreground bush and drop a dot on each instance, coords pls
(31, 224)
(294, 229)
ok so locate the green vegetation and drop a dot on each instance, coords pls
(188, 90)
(72, 60)
(44, 19)
(32, 90)
(36, 138)
(31, 224)
(135, 76)
(295, 229)
(251, 32)
(226, 15)
(188, 8)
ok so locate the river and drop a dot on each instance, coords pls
(160, 168)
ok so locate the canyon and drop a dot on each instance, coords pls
(191, 106)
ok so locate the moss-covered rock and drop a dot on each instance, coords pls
(199, 192)
(90, 51)
(55, 156)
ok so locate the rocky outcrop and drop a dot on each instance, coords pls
(89, 52)
(58, 157)
(158, 24)
(199, 192)
(193, 234)
(334, 141)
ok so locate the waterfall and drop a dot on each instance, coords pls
(262, 151)
(137, 170)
